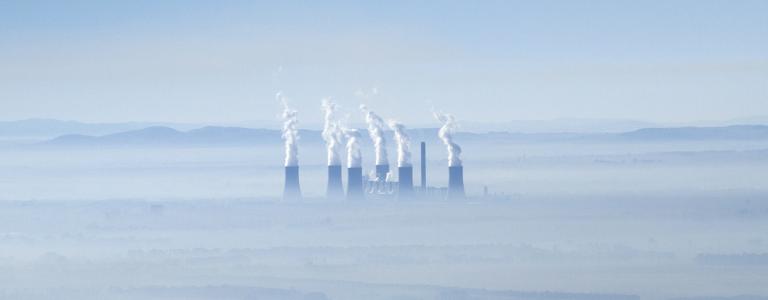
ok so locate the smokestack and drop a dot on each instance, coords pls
(455, 170)
(292, 190)
(381, 172)
(335, 190)
(404, 166)
(405, 184)
(456, 183)
(424, 166)
(355, 183)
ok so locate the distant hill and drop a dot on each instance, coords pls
(165, 136)
(737, 132)
(229, 136)
(558, 125)
(48, 128)
(536, 129)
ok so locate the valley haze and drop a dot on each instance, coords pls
(131, 209)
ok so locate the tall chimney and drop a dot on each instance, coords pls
(335, 190)
(424, 166)
(405, 184)
(292, 190)
(355, 183)
(381, 172)
(456, 183)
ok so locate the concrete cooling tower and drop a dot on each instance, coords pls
(381, 172)
(355, 183)
(335, 190)
(405, 185)
(292, 190)
(456, 182)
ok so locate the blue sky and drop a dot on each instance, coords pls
(223, 61)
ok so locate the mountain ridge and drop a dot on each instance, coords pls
(230, 136)
(42, 128)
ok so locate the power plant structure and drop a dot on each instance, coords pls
(404, 182)
(381, 172)
(292, 189)
(380, 184)
(335, 188)
(355, 183)
(456, 183)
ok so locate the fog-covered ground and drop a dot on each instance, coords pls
(580, 220)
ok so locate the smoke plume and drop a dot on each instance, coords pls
(332, 133)
(290, 132)
(354, 157)
(403, 143)
(446, 135)
(376, 131)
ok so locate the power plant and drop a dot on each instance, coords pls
(405, 182)
(381, 172)
(456, 183)
(335, 189)
(355, 183)
(292, 189)
(380, 184)
(361, 187)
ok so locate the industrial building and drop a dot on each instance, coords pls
(379, 187)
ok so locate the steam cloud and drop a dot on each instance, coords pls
(354, 157)
(290, 132)
(446, 135)
(376, 131)
(332, 133)
(403, 143)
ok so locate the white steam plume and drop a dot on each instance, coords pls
(354, 157)
(290, 132)
(332, 133)
(376, 131)
(446, 135)
(403, 143)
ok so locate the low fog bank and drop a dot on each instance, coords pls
(514, 170)
(563, 219)
(609, 247)
(353, 291)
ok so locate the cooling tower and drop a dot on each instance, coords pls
(355, 183)
(292, 189)
(456, 182)
(381, 172)
(335, 190)
(423, 166)
(405, 184)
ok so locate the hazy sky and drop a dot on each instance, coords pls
(223, 61)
